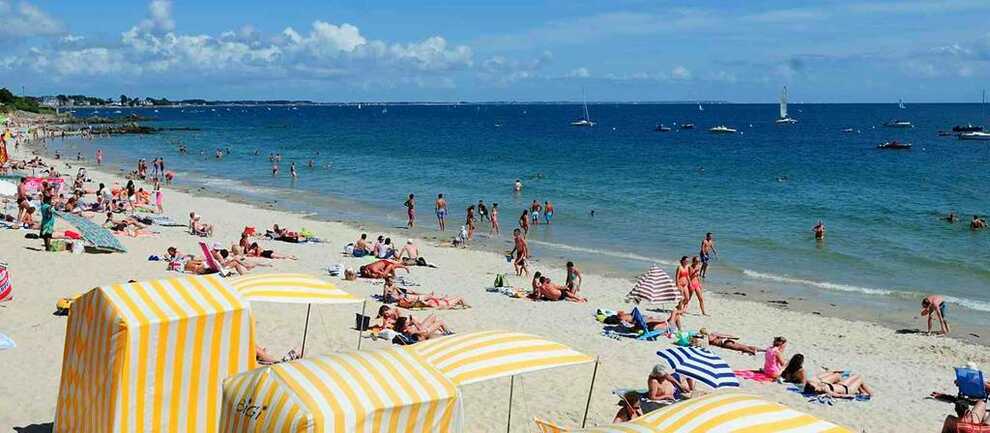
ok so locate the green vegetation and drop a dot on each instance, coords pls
(10, 102)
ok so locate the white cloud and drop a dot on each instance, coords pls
(581, 72)
(25, 20)
(680, 73)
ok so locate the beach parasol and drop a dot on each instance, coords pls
(293, 289)
(701, 365)
(722, 412)
(654, 286)
(98, 236)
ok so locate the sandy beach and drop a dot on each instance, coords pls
(903, 369)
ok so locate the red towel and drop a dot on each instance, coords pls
(754, 375)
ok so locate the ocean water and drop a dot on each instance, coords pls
(654, 195)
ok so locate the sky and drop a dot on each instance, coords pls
(430, 50)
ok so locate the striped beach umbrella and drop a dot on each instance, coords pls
(481, 356)
(723, 412)
(381, 391)
(6, 289)
(291, 288)
(654, 286)
(701, 365)
(91, 232)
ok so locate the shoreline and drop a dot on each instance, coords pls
(903, 368)
(894, 313)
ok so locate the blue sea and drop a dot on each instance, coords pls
(654, 195)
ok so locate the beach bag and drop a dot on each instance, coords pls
(361, 322)
(499, 280)
(349, 249)
(336, 270)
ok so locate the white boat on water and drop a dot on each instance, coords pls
(586, 120)
(722, 129)
(898, 124)
(784, 119)
(975, 136)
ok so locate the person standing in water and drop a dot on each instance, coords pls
(292, 169)
(496, 230)
(547, 211)
(707, 251)
(534, 211)
(933, 306)
(482, 210)
(469, 223)
(410, 205)
(524, 222)
(819, 230)
(274, 167)
(441, 209)
(99, 157)
(517, 187)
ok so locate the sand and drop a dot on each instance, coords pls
(903, 369)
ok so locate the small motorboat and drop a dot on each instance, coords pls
(894, 145)
(687, 126)
(661, 128)
(722, 129)
(848, 130)
(898, 124)
(969, 127)
(975, 136)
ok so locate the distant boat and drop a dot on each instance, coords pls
(722, 129)
(894, 145)
(898, 124)
(700, 108)
(900, 104)
(848, 130)
(359, 106)
(661, 128)
(975, 136)
(586, 120)
(784, 119)
(385, 109)
(969, 127)
(687, 126)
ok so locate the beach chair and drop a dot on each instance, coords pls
(212, 261)
(548, 427)
(971, 383)
(640, 322)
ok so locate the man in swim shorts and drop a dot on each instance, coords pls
(934, 306)
(707, 250)
(441, 209)
(410, 205)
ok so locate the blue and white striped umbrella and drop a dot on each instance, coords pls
(701, 365)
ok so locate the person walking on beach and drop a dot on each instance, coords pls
(682, 278)
(469, 223)
(933, 306)
(547, 211)
(574, 278)
(707, 250)
(99, 157)
(694, 285)
(521, 251)
(496, 230)
(410, 205)
(524, 222)
(819, 230)
(441, 209)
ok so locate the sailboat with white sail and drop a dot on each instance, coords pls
(784, 119)
(586, 120)
(700, 108)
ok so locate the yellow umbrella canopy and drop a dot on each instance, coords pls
(481, 356)
(373, 391)
(723, 412)
(291, 288)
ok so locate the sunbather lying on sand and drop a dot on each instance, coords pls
(127, 226)
(254, 250)
(666, 385)
(653, 322)
(726, 341)
(414, 330)
(408, 299)
(839, 385)
(546, 290)
(264, 358)
(381, 269)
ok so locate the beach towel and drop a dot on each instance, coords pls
(823, 399)
(6, 342)
(6, 289)
(754, 375)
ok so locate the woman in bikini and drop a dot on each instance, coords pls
(524, 222)
(254, 250)
(838, 385)
(469, 222)
(683, 280)
(727, 342)
(409, 299)
(496, 230)
(694, 285)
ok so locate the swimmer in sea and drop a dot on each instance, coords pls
(441, 209)
(819, 230)
(517, 187)
(951, 218)
(274, 168)
(977, 223)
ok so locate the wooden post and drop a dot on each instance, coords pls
(587, 405)
(361, 324)
(302, 350)
(508, 420)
